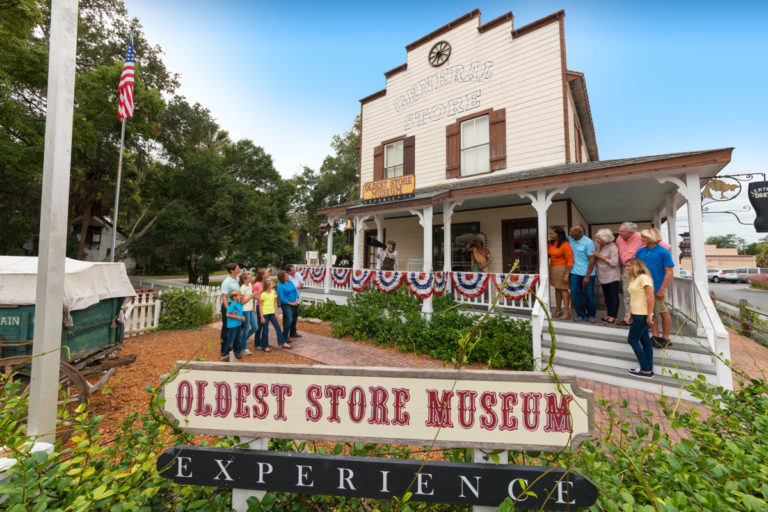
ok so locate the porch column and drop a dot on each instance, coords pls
(692, 193)
(359, 224)
(448, 208)
(541, 201)
(329, 255)
(657, 220)
(425, 219)
(671, 201)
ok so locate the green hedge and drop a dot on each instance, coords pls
(396, 320)
(185, 308)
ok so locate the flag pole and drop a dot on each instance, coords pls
(117, 192)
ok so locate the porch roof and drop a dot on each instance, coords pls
(584, 181)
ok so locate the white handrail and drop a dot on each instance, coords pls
(717, 335)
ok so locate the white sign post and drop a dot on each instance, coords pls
(53, 221)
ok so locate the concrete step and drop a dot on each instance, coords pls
(676, 353)
(660, 384)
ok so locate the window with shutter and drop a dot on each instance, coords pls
(378, 162)
(476, 144)
(393, 159)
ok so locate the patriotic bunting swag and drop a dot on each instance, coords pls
(518, 286)
(341, 276)
(388, 281)
(420, 284)
(470, 284)
(440, 281)
(304, 271)
(360, 279)
(317, 274)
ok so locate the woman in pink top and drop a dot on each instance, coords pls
(258, 287)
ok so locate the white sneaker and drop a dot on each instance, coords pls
(247, 352)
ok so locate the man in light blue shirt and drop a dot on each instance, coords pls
(582, 278)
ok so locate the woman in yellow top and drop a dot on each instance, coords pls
(641, 306)
(268, 315)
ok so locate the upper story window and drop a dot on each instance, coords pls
(475, 146)
(393, 159)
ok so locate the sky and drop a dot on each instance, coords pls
(662, 76)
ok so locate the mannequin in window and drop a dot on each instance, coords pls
(480, 256)
(388, 257)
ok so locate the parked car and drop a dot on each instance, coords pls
(686, 273)
(723, 275)
(711, 272)
(744, 273)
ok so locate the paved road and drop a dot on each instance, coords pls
(735, 291)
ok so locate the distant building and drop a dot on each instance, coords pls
(725, 258)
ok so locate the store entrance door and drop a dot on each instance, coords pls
(520, 242)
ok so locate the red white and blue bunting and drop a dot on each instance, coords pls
(470, 284)
(388, 281)
(317, 274)
(360, 279)
(519, 285)
(302, 271)
(441, 279)
(421, 284)
(341, 276)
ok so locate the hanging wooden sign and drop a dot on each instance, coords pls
(390, 189)
(474, 409)
(530, 487)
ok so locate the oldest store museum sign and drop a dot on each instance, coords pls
(486, 409)
(475, 409)
(390, 189)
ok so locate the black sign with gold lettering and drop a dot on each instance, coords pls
(758, 196)
(531, 487)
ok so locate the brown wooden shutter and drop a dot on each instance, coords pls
(498, 137)
(378, 162)
(409, 155)
(452, 151)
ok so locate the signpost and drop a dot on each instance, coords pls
(450, 408)
(530, 487)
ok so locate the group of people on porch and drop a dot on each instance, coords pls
(576, 262)
(249, 304)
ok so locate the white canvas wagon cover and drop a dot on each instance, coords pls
(86, 283)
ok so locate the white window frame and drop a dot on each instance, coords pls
(478, 145)
(393, 169)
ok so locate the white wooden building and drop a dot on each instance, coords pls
(486, 128)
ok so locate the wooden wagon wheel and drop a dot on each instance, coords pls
(72, 383)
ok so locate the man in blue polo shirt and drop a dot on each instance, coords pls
(582, 276)
(660, 265)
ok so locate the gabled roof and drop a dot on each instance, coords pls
(583, 111)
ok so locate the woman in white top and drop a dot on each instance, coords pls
(247, 299)
(608, 272)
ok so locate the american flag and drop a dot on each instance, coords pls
(125, 89)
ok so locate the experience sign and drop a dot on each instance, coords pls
(483, 409)
(529, 487)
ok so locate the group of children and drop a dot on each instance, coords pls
(250, 304)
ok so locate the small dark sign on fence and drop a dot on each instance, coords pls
(530, 487)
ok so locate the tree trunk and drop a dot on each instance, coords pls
(205, 279)
(191, 271)
(86, 220)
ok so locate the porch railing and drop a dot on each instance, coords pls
(481, 301)
(681, 296)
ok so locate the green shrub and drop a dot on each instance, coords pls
(185, 308)
(396, 320)
(327, 310)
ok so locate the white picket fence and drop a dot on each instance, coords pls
(142, 313)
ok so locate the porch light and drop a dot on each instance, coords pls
(324, 226)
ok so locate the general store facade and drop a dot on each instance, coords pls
(485, 128)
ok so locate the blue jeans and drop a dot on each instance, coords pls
(287, 319)
(258, 327)
(640, 342)
(271, 318)
(577, 285)
(233, 340)
(223, 335)
(249, 327)
(294, 319)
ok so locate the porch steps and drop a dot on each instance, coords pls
(601, 353)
